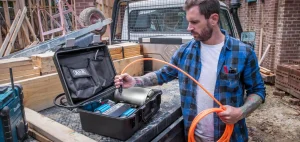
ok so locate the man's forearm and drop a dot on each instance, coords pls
(149, 79)
(252, 102)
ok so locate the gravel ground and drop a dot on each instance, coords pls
(277, 120)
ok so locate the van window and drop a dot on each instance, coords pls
(158, 20)
(167, 20)
(225, 22)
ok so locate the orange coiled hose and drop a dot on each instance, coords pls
(229, 127)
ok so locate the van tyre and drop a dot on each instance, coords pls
(90, 16)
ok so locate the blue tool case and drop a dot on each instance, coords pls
(13, 124)
(87, 76)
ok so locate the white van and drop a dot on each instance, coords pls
(161, 17)
(160, 26)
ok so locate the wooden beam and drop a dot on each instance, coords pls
(31, 14)
(52, 129)
(130, 49)
(25, 31)
(14, 62)
(260, 43)
(17, 8)
(16, 31)
(20, 73)
(19, 78)
(24, 25)
(10, 33)
(32, 44)
(40, 20)
(136, 69)
(45, 62)
(264, 55)
(40, 91)
(6, 13)
(31, 28)
(37, 136)
(51, 13)
(1, 39)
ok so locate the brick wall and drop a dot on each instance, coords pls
(280, 20)
(288, 29)
(82, 4)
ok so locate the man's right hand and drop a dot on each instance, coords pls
(125, 80)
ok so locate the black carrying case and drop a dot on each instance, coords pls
(87, 76)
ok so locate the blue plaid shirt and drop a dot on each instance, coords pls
(230, 87)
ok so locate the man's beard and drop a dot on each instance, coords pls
(205, 34)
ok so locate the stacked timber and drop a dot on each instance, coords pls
(22, 68)
(267, 75)
(44, 62)
(130, 49)
(121, 54)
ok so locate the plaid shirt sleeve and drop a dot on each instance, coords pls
(168, 73)
(252, 79)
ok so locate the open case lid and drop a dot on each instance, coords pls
(85, 73)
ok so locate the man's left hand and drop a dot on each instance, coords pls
(231, 115)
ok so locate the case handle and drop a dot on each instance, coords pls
(153, 106)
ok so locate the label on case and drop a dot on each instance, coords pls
(77, 73)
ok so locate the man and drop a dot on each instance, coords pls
(225, 66)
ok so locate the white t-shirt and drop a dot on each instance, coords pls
(208, 77)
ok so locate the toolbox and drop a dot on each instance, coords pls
(13, 124)
(87, 76)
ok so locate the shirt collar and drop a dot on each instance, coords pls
(226, 42)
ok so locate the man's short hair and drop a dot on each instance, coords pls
(206, 7)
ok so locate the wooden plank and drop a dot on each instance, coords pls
(14, 62)
(30, 26)
(37, 136)
(24, 25)
(40, 91)
(131, 54)
(25, 32)
(40, 20)
(136, 69)
(52, 129)
(31, 15)
(130, 46)
(1, 40)
(114, 49)
(17, 8)
(19, 78)
(51, 13)
(45, 62)
(16, 31)
(20, 73)
(268, 78)
(10, 33)
(117, 56)
(260, 43)
(17, 68)
(265, 54)
(264, 71)
(32, 44)
(6, 13)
